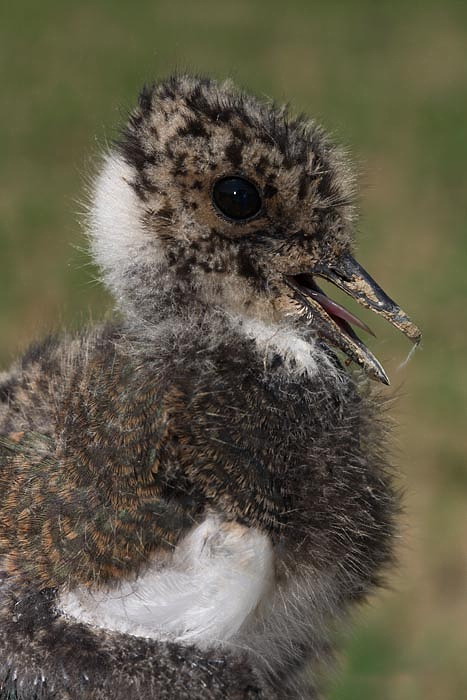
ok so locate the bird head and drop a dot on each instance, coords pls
(214, 198)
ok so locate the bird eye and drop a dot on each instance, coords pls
(236, 198)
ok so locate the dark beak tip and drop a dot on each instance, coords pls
(349, 276)
(377, 371)
(357, 283)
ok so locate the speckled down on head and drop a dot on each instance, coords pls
(195, 492)
(159, 238)
(185, 134)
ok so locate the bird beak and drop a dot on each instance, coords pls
(332, 321)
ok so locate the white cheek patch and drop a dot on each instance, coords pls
(217, 577)
(115, 213)
(115, 223)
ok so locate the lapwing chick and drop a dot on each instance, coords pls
(193, 494)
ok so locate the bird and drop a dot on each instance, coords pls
(195, 492)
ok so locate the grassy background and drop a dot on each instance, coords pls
(388, 78)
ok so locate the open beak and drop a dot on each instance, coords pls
(332, 321)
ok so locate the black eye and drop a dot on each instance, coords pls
(236, 198)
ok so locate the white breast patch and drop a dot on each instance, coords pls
(215, 580)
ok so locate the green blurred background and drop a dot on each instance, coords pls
(387, 78)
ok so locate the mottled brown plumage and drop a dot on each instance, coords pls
(215, 397)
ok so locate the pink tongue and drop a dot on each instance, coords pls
(335, 309)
